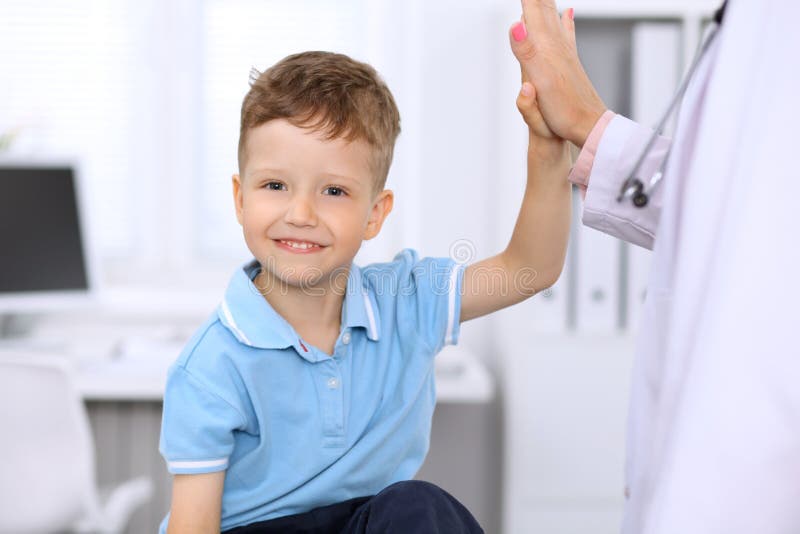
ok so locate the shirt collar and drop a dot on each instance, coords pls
(360, 309)
(255, 323)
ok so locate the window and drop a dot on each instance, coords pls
(72, 87)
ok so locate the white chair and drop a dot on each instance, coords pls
(47, 477)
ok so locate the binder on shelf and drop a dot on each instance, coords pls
(604, 46)
(597, 280)
(656, 62)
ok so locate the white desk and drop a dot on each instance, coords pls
(460, 377)
(122, 353)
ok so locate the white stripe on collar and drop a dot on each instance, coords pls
(370, 315)
(232, 324)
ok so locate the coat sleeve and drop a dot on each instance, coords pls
(620, 147)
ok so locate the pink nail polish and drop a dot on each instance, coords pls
(571, 13)
(519, 32)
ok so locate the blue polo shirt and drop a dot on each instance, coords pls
(295, 428)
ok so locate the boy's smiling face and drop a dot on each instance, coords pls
(305, 203)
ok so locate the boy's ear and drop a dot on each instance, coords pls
(380, 210)
(237, 196)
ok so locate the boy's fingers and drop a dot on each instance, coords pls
(528, 91)
(529, 109)
(524, 107)
(526, 102)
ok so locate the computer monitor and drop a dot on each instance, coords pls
(45, 259)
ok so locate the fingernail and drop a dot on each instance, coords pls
(527, 89)
(571, 13)
(519, 32)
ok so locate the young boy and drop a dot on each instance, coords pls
(304, 403)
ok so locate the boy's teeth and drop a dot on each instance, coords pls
(294, 244)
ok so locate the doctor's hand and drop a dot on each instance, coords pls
(544, 44)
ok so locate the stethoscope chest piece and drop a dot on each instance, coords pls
(633, 187)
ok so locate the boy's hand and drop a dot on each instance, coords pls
(543, 144)
(531, 114)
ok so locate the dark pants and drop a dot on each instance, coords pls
(409, 507)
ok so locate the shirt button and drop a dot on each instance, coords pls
(333, 383)
(346, 338)
(627, 492)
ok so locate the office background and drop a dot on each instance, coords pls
(145, 96)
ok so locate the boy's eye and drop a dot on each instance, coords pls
(334, 191)
(274, 186)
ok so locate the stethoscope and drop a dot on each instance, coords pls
(633, 186)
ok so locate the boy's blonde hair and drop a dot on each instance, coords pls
(326, 92)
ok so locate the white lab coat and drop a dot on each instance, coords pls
(714, 418)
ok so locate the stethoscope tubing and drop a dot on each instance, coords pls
(633, 186)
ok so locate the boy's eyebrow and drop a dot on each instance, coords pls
(265, 170)
(343, 177)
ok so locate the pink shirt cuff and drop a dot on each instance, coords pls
(579, 175)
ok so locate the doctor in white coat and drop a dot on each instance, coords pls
(714, 417)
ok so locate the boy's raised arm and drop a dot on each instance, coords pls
(196, 503)
(535, 255)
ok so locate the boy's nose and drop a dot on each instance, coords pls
(301, 212)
